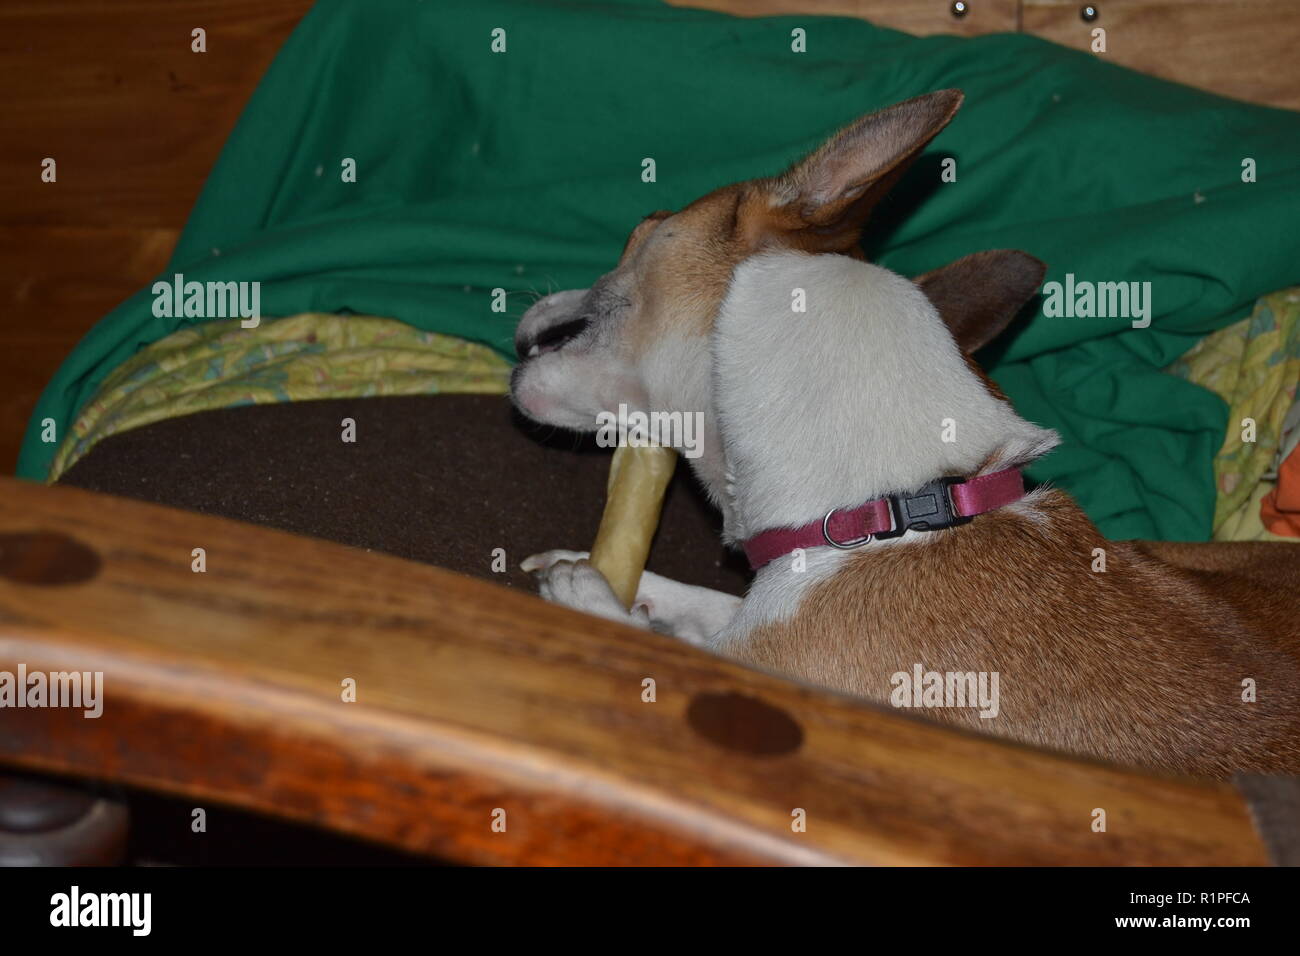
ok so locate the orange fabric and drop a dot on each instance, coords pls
(1280, 509)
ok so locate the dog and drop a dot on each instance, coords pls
(872, 473)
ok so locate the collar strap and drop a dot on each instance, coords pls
(943, 503)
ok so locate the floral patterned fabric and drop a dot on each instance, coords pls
(308, 356)
(1254, 366)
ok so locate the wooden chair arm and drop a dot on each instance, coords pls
(471, 699)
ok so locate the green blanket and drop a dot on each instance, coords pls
(522, 170)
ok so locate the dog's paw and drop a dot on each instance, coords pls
(544, 560)
(568, 578)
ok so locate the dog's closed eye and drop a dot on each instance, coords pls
(557, 336)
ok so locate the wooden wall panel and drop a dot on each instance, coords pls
(111, 90)
(922, 17)
(1247, 49)
(55, 283)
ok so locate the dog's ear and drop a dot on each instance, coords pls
(978, 295)
(821, 202)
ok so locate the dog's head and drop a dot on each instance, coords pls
(623, 341)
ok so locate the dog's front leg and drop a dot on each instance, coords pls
(689, 613)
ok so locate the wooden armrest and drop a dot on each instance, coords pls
(472, 699)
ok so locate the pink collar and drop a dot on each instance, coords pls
(942, 503)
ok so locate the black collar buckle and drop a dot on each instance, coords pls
(930, 508)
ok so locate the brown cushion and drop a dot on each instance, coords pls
(442, 479)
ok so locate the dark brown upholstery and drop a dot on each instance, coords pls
(442, 479)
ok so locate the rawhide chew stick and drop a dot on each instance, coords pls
(634, 495)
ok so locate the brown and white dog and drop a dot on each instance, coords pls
(1185, 657)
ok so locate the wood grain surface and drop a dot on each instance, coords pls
(226, 686)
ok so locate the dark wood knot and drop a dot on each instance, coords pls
(746, 724)
(46, 558)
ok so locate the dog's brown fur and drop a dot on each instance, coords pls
(1143, 663)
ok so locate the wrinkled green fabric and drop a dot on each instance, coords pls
(522, 170)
